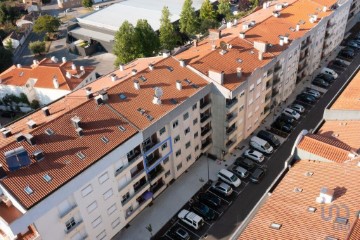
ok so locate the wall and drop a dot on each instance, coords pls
(47, 95)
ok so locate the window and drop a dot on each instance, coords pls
(167, 174)
(196, 147)
(186, 116)
(101, 236)
(257, 95)
(28, 190)
(195, 121)
(187, 145)
(196, 134)
(175, 123)
(251, 88)
(96, 222)
(47, 177)
(188, 158)
(86, 191)
(108, 194)
(242, 93)
(258, 81)
(241, 108)
(166, 160)
(70, 223)
(256, 108)
(179, 166)
(164, 146)
(250, 101)
(115, 223)
(92, 207)
(125, 197)
(111, 209)
(176, 139)
(187, 130)
(103, 178)
(162, 131)
(194, 106)
(178, 153)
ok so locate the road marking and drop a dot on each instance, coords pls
(188, 229)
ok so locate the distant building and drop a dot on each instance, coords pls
(45, 81)
(65, 4)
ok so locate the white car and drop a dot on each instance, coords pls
(254, 155)
(297, 107)
(313, 92)
(291, 113)
(229, 177)
(191, 219)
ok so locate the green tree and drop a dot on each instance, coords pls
(207, 11)
(87, 3)
(255, 3)
(46, 24)
(188, 19)
(5, 59)
(168, 37)
(37, 47)
(147, 37)
(9, 45)
(224, 8)
(126, 47)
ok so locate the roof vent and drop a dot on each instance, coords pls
(31, 124)
(49, 131)
(6, 132)
(18, 65)
(54, 59)
(63, 59)
(239, 72)
(278, 6)
(178, 85)
(166, 53)
(121, 67)
(275, 226)
(56, 82)
(73, 66)
(68, 75)
(30, 139)
(46, 111)
(88, 92)
(285, 4)
(324, 9)
(261, 57)
(19, 137)
(82, 68)
(182, 62)
(298, 190)
(276, 13)
(157, 96)
(286, 39)
(76, 121)
(113, 77)
(297, 28)
(281, 40)
(133, 72)
(326, 195)
(217, 76)
(137, 84)
(98, 100)
(151, 67)
(79, 131)
(38, 155)
(242, 35)
(104, 95)
(341, 220)
(246, 25)
(311, 209)
(309, 174)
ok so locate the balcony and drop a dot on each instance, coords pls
(276, 81)
(231, 104)
(301, 68)
(68, 213)
(156, 173)
(152, 158)
(137, 173)
(231, 118)
(134, 161)
(142, 204)
(305, 45)
(268, 85)
(204, 119)
(230, 130)
(76, 226)
(205, 133)
(230, 144)
(277, 68)
(206, 145)
(136, 194)
(205, 104)
(274, 93)
(157, 188)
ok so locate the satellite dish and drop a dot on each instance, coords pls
(223, 45)
(158, 92)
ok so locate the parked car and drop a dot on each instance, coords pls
(257, 175)
(297, 107)
(261, 145)
(254, 155)
(352, 44)
(229, 177)
(240, 172)
(269, 137)
(209, 199)
(8, 114)
(339, 63)
(306, 98)
(291, 113)
(312, 92)
(286, 119)
(245, 163)
(320, 83)
(329, 71)
(207, 213)
(326, 77)
(191, 219)
(282, 126)
(179, 234)
(346, 54)
(222, 188)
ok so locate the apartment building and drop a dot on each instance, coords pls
(88, 163)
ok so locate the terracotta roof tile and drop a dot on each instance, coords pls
(355, 231)
(349, 99)
(289, 208)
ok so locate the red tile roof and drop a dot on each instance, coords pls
(355, 231)
(44, 73)
(349, 99)
(290, 208)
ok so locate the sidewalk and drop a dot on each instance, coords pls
(176, 195)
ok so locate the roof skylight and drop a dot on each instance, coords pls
(105, 139)
(47, 178)
(122, 128)
(49, 131)
(122, 96)
(28, 190)
(80, 155)
(170, 68)
(276, 226)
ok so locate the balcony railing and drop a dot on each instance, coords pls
(137, 173)
(134, 156)
(150, 160)
(157, 187)
(302, 68)
(155, 172)
(230, 103)
(205, 131)
(229, 144)
(206, 143)
(230, 117)
(133, 159)
(135, 194)
(230, 130)
(148, 146)
(266, 110)
(268, 85)
(204, 104)
(277, 68)
(205, 117)
(276, 81)
(274, 93)
(67, 231)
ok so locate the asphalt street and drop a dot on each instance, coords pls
(247, 200)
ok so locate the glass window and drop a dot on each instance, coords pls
(92, 207)
(176, 139)
(162, 131)
(187, 145)
(178, 153)
(175, 123)
(70, 223)
(194, 106)
(196, 134)
(195, 121)
(164, 146)
(186, 116)
(188, 158)
(187, 130)
(179, 166)
(108, 194)
(96, 222)
(86, 191)
(103, 178)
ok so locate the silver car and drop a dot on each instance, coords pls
(222, 188)
(297, 107)
(254, 155)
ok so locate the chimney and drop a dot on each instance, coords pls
(229, 24)
(18, 65)
(34, 63)
(264, 5)
(73, 66)
(56, 82)
(88, 92)
(136, 84)
(235, 22)
(156, 100)
(79, 131)
(6, 132)
(82, 68)
(178, 85)
(133, 72)
(46, 111)
(217, 76)
(53, 59)
(326, 195)
(113, 77)
(68, 75)
(239, 72)
(151, 67)
(98, 100)
(242, 35)
(63, 59)
(76, 122)
(281, 41)
(30, 139)
(195, 43)
(278, 6)
(276, 13)
(166, 53)
(31, 124)
(182, 62)
(261, 56)
(297, 27)
(121, 67)
(286, 39)
(104, 95)
(213, 47)
(324, 9)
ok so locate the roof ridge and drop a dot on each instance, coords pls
(323, 139)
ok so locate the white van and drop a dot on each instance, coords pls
(261, 145)
(228, 177)
(329, 71)
(191, 219)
